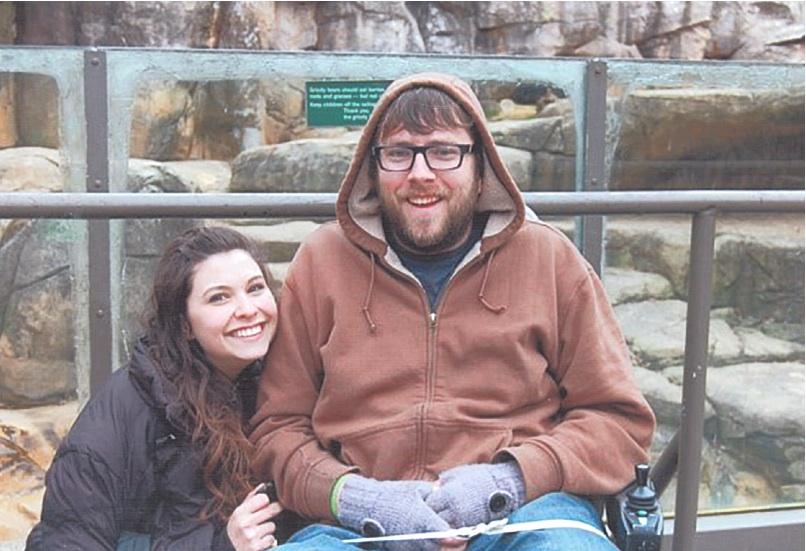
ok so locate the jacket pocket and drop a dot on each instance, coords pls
(452, 443)
(384, 453)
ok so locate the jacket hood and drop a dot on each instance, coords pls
(358, 206)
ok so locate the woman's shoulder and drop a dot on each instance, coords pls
(115, 421)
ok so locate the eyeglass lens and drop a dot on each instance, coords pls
(437, 157)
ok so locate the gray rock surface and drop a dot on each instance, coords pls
(664, 133)
(761, 417)
(277, 243)
(651, 245)
(201, 176)
(656, 332)
(760, 397)
(540, 134)
(29, 441)
(519, 164)
(36, 343)
(665, 397)
(367, 26)
(30, 169)
(314, 165)
(744, 266)
(633, 286)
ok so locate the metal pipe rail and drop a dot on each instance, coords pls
(258, 205)
(704, 206)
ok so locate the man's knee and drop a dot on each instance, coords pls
(558, 505)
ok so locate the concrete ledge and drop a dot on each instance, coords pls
(781, 530)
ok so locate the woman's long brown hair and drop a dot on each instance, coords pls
(205, 402)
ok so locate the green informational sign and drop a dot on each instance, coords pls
(342, 103)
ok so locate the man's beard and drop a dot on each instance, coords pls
(450, 236)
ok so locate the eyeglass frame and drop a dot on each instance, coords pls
(464, 149)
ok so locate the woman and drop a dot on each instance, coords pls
(160, 450)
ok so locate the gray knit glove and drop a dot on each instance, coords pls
(377, 508)
(472, 494)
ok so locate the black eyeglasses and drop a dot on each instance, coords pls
(400, 158)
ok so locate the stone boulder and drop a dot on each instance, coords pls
(314, 165)
(760, 408)
(655, 330)
(650, 244)
(769, 31)
(710, 139)
(445, 27)
(679, 30)
(36, 326)
(200, 176)
(664, 396)
(277, 243)
(759, 261)
(519, 163)
(149, 24)
(162, 124)
(196, 120)
(548, 134)
(725, 481)
(367, 27)
(535, 28)
(632, 286)
(761, 276)
(265, 25)
(30, 169)
(28, 442)
(602, 46)
(283, 115)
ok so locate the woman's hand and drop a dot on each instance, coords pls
(248, 527)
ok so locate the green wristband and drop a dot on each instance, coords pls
(334, 494)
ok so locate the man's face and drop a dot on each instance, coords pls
(429, 211)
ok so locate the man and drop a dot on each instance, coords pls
(442, 361)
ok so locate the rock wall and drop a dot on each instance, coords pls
(771, 31)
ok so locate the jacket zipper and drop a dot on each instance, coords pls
(432, 322)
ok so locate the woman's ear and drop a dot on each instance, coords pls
(187, 332)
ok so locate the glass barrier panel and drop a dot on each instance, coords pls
(717, 126)
(43, 298)
(687, 128)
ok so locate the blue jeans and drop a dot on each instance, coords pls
(550, 506)
(131, 541)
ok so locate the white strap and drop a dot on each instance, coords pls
(493, 528)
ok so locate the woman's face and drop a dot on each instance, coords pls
(231, 311)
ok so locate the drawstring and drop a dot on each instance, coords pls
(487, 305)
(373, 327)
(365, 308)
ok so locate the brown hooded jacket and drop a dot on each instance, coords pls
(522, 358)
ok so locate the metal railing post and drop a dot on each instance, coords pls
(701, 264)
(98, 241)
(595, 144)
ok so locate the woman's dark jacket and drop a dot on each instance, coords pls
(124, 467)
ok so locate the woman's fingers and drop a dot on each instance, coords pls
(262, 515)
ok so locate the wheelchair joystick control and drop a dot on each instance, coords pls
(638, 517)
(642, 496)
